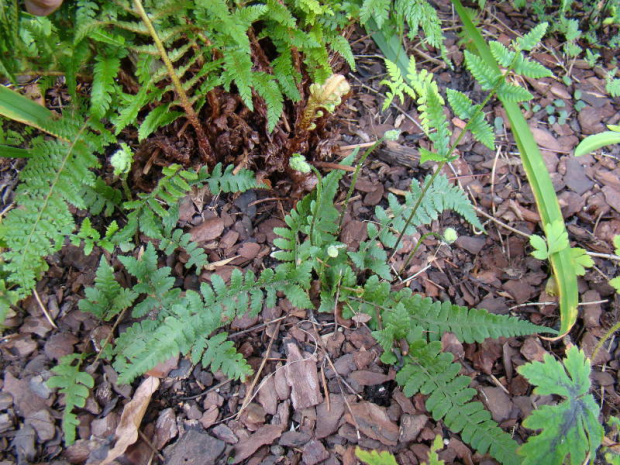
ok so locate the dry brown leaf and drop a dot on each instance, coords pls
(127, 429)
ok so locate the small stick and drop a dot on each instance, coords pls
(44, 310)
(248, 395)
(254, 328)
(151, 446)
(206, 391)
(498, 384)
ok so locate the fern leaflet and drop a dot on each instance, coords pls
(74, 385)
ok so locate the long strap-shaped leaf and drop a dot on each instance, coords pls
(539, 179)
(23, 110)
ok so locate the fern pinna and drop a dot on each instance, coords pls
(74, 385)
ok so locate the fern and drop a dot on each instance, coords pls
(464, 108)
(421, 323)
(378, 10)
(484, 74)
(228, 180)
(267, 87)
(74, 385)
(108, 298)
(153, 281)
(220, 354)
(50, 183)
(149, 212)
(390, 16)
(429, 371)
(105, 71)
(100, 198)
(440, 196)
(180, 240)
(437, 318)
(183, 323)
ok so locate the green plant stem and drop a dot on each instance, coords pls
(540, 181)
(358, 169)
(418, 202)
(126, 188)
(317, 203)
(417, 246)
(604, 339)
(203, 142)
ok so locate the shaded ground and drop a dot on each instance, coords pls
(320, 389)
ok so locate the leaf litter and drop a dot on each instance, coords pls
(310, 410)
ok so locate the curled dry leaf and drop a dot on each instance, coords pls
(127, 430)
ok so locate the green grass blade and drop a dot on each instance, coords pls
(540, 181)
(390, 44)
(596, 141)
(6, 151)
(23, 110)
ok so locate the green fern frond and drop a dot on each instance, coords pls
(129, 107)
(501, 53)
(287, 75)
(238, 70)
(513, 93)
(462, 105)
(465, 109)
(220, 354)
(421, 14)
(74, 385)
(180, 240)
(532, 38)
(430, 106)
(194, 317)
(105, 71)
(441, 196)
(529, 68)
(155, 282)
(156, 212)
(486, 76)
(315, 218)
(396, 83)
(157, 118)
(267, 87)
(280, 14)
(52, 180)
(227, 180)
(107, 298)
(247, 15)
(468, 324)
(378, 10)
(482, 130)
(341, 45)
(101, 198)
(431, 372)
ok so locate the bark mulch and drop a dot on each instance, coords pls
(320, 389)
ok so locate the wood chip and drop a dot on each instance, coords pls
(374, 422)
(302, 377)
(208, 230)
(264, 436)
(328, 418)
(368, 378)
